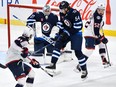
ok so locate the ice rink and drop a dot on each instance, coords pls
(98, 76)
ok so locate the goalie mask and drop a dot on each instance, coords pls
(46, 10)
(28, 33)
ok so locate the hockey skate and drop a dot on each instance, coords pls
(52, 66)
(77, 69)
(105, 62)
(84, 74)
(52, 70)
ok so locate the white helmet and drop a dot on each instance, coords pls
(28, 33)
(101, 6)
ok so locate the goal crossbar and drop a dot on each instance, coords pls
(21, 6)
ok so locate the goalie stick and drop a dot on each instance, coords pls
(48, 39)
(39, 49)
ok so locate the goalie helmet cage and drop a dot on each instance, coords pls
(23, 8)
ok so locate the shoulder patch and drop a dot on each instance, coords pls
(74, 11)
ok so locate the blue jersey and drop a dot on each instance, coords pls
(97, 22)
(47, 21)
(71, 21)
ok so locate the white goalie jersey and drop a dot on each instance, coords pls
(89, 29)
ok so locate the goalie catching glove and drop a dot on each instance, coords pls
(35, 63)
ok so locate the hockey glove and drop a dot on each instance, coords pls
(101, 39)
(24, 53)
(64, 36)
(104, 40)
(56, 37)
(35, 63)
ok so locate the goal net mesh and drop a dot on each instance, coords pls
(17, 25)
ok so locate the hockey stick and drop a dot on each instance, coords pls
(2, 66)
(46, 72)
(40, 66)
(40, 49)
(18, 19)
(22, 22)
(48, 39)
(106, 49)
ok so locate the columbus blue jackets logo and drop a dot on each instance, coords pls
(67, 23)
(46, 27)
(98, 17)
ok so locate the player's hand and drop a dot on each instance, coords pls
(24, 53)
(35, 63)
(64, 36)
(103, 39)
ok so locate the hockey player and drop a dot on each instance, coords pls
(17, 55)
(92, 34)
(70, 30)
(48, 22)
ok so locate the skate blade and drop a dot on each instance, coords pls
(56, 73)
(83, 79)
(107, 65)
(67, 60)
(76, 70)
(53, 72)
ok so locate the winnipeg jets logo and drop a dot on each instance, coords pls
(46, 27)
(67, 23)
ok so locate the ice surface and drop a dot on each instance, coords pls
(98, 75)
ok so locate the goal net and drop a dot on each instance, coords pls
(22, 12)
(17, 16)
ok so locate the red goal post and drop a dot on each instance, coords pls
(9, 6)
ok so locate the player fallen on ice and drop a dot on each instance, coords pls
(17, 55)
(70, 26)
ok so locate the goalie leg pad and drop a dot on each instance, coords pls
(38, 44)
